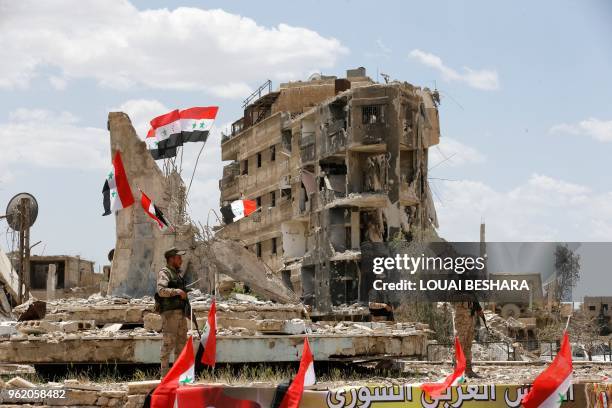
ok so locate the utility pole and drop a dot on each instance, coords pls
(24, 250)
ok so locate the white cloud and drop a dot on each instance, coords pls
(57, 82)
(185, 48)
(451, 152)
(600, 130)
(47, 139)
(484, 79)
(541, 209)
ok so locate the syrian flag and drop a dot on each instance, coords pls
(168, 134)
(550, 388)
(237, 210)
(197, 122)
(116, 192)
(153, 146)
(207, 349)
(181, 373)
(153, 212)
(290, 396)
(456, 378)
(210, 396)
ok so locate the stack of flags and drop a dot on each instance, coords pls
(170, 131)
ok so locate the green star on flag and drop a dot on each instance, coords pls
(186, 380)
(562, 398)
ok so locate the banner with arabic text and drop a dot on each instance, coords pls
(373, 396)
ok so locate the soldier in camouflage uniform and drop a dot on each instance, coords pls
(171, 296)
(465, 313)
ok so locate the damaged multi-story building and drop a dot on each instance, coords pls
(334, 164)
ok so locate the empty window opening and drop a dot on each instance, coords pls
(258, 159)
(274, 248)
(272, 153)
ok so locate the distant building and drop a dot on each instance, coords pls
(600, 308)
(73, 277)
(333, 164)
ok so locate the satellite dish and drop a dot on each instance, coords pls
(315, 77)
(12, 211)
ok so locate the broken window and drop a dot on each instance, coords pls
(592, 308)
(372, 114)
(286, 194)
(286, 142)
(273, 199)
(272, 153)
(258, 249)
(259, 159)
(245, 167)
(258, 201)
(274, 248)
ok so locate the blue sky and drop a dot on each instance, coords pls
(526, 114)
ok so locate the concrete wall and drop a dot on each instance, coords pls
(140, 244)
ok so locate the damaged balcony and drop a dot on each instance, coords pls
(229, 183)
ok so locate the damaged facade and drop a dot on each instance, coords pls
(336, 166)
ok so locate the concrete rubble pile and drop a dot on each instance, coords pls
(103, 329)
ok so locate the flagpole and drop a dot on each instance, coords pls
(568, 320)
(197, 160)
(453, 320)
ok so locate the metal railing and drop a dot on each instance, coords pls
(258, 93)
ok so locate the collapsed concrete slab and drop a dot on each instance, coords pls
(232, 259)
(136, 311)
(144, 348)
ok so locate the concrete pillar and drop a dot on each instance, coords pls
(355, 236)
(51, 281)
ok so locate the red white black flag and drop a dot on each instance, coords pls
(550, 388)
(197, 122)
(291, 395)
(237, 210)
(152, 211)
(116, 193)
(456, 378)
(171, 130)
(207, 349)
(181, 373)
